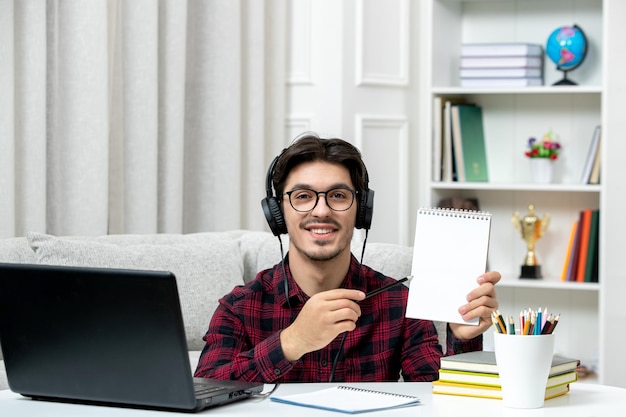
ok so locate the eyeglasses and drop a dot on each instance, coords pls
(337, 199)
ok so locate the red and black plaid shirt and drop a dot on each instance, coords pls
(242, 342)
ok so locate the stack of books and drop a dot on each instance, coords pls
(475, 374)
(501, 65)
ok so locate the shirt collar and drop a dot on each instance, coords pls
(296, 295)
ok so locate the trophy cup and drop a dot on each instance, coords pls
(531, 228)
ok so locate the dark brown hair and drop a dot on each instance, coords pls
(310, 148)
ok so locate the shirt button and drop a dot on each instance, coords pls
(324, 362)
(276, 371)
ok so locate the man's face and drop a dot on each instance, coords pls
(322, 233)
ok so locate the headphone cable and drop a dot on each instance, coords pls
(343, 337)
(282, 264)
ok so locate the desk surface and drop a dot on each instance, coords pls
(582, 400)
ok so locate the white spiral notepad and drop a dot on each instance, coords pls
(346, 399)
(449, 253)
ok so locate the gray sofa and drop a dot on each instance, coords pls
(207, 265)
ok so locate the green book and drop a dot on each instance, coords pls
(472, 143)
(592, 249)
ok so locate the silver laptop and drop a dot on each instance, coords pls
(102, 336)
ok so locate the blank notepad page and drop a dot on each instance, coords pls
(449, 253)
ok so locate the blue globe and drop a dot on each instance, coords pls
(567, 47)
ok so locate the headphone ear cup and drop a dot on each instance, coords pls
(365, 210)
(274, 216)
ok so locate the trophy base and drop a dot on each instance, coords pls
(531, 272)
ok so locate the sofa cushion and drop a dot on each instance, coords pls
(206, 265)
(389, 259)
(260, 251)
(16, 250)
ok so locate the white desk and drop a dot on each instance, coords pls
(583, 400)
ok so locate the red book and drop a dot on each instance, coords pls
(585, 226)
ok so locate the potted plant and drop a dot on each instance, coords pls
(542, 153)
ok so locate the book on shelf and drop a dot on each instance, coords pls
(572, 262)
(501, 49)
(501, 82)
(594, 178)
(502, 62)
(493, 380)
(485, 361)
(585, 227)
(568, 253)
(469, 143)
(501, 72)
(442, 137)
(484, 391)
(591, 155)
(591, 267)
(437, 145)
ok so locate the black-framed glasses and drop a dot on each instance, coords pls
(337, 199)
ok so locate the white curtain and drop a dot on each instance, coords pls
(138, 116)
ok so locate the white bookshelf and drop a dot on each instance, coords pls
(510, 117)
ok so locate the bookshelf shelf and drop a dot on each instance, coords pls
(552, 188)
(511, 282)
(454, 91)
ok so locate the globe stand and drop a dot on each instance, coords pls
(565, 80)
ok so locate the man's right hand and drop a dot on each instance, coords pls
(324, 316)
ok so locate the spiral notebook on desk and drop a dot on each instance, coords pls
(350, 400)
(449, 253)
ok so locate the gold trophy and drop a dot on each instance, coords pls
(531, 228)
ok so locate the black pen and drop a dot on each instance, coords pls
(386, 287)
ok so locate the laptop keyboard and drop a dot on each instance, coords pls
(206, 389)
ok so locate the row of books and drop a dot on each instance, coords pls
(475, 374)
(591, 170)
(501, 65)
(459, 152)
(581, 259)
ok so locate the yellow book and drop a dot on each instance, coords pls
(485, 391)
(493, 380)
(572, 235)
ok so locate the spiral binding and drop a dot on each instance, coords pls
(451, 212)
(347, 388)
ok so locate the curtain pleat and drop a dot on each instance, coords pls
(213, 131)
(30, 114)
(78, 135)
(172, 70)
(138, 116)
(264, 111)
(8, 221)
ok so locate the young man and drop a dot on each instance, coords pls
(307, 319)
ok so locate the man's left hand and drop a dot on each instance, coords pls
(480, 303)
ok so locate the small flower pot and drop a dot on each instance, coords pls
(541, 170)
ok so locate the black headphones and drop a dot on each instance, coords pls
(274, 215)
